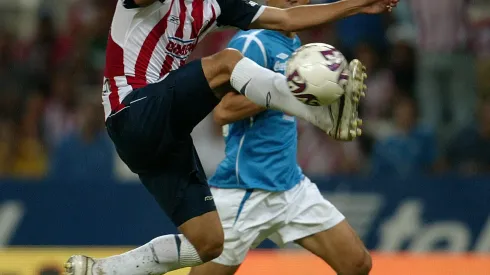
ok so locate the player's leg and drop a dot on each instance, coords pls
(237, 208)
(201, 241)
(271, 90)
(212, 268)
(320, 228)
(262, 86)
(152, 136)
(195, 211)
(186, 199)
(341, 248)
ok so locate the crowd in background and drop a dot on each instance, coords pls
(427, 109)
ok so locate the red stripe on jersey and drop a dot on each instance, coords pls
(197, 24)
(211, 22)
(198, 15)
(114, 96)
(136, 82)
(169, 59)
(114, 67)
(149, 46)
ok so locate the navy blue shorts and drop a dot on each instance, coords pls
(152, 136)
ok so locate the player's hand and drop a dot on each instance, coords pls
(378, 6)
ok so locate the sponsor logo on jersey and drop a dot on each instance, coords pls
(280, 66)
(174, 19)
(282, 56)
(179, 48)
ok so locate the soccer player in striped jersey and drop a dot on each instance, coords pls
(152, 101)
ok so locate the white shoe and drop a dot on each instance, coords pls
(344, 112)
(79, 265)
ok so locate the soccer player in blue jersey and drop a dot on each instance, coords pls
(259, 189)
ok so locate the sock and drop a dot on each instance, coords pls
(160, 255)
(271, 90)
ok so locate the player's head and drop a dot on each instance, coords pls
(286, 3)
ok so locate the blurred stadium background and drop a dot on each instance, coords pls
(416, 186)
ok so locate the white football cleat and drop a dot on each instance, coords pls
(79, 265)
(344, 112)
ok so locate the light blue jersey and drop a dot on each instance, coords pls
(261, 150)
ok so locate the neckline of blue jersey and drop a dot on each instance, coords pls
(282, 35)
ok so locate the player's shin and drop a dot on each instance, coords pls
(269, 89)
(160, 255)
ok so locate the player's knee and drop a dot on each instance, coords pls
(219, 67)
(228, 58)
(360, 266)
(211, 246)
(211, 250)
(364, 266)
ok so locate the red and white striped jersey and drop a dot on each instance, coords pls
(146, 43)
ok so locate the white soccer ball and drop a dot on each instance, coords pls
(317, 74)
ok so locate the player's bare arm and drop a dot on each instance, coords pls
(304, 17)
(234, 107)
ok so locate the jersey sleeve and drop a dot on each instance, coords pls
(130, 4)
(239, 13)
(251, 48)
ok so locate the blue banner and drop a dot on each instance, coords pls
(390, 215)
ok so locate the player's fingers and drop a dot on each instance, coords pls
(389, 8)
(392, 5)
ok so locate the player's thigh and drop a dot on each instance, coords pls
(198, 87)
(341, 248)
(153, 128)
(242, 222)
(140, 130)
(180, 188)
(212, 268)
(318, 226)
(308, 212)
(179, 184)
(192, 98)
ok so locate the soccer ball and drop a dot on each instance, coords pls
(317, 74)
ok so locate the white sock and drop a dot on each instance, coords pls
(269, 89)
(160, 255)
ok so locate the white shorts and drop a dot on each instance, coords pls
(251, 216)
